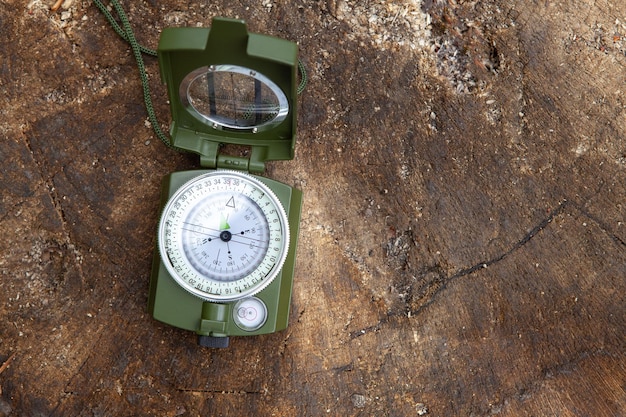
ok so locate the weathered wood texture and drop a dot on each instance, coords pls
(462, 249)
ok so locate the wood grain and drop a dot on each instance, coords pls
(462, 248)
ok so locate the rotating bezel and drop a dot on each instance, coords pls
(171, 242)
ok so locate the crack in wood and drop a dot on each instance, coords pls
(520, 243)
(603, 226)
(48, 182)
(370, 329)
(80, 367)
(437, 286)
(49, 185)
(532, 386)
(224, 392)
(485, 264)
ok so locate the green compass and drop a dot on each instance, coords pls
(225, 256)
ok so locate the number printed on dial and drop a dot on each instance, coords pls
(223, 236)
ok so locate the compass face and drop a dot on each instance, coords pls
(223, 236)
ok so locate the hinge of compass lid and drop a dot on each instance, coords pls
(253, 162)
(215, 154)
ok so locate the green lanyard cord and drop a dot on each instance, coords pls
(126, 32)
(117, 27)
(303, 77)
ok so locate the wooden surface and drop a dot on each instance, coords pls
(462, 248)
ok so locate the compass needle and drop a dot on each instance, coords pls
(224, 222)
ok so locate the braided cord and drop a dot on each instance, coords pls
(303, 77)
(126, 32)
(118, 29)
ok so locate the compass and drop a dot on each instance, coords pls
(223, 236)
(226, 239)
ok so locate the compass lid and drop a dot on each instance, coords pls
(228, 86)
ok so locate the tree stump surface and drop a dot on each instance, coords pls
(462, 247)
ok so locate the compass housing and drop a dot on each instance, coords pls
(227, 86)
(170, 303)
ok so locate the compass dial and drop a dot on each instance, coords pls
(223, 236)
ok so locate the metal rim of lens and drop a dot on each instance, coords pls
(219, 122)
